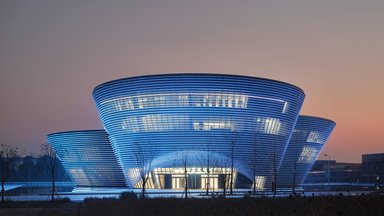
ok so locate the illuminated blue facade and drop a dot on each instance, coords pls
(88, 158)
(308, 139)
(156, 118)
(157, 125)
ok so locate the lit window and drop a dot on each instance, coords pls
(228, 100)
(285, 107)
(259, 182)
(155, 122)
(308, 155)
(268, 125)
(315, 137)
(211, 124)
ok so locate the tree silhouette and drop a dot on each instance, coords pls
(183, 158)
(275, 167)
(144, 159)
(253, 160)
(232, 153)
(223, 164)
(8, 155)
(207, 160)
(294, 171)
(50, 161)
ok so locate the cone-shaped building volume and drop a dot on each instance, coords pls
(225, 116)
(308, 138)
(88, 158)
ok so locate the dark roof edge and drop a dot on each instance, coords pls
(76, 131)
(318, 117)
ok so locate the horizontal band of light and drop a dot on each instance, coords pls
(184, 94)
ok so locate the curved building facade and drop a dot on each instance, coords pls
(88, 158)
(239, 119)
(308, 138)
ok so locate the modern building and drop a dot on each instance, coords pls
(308, 139)
(216, 130)
(88, 158)
(367, 175)
(336, 176)
(373, 168)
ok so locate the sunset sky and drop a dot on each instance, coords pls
(53, 53)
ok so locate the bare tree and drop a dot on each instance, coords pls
(275, 166)
(144, 159)
(294, 172)
(232, 153)
(223, 170)
(8, 155)
(51, 162)
(183, 158)
(254, 163)
(208, 161)
(296, 158)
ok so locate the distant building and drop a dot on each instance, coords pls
(347, 176)
(373, 167)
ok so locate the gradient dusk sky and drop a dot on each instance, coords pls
(53, 53)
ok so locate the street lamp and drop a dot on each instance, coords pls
(329, 168)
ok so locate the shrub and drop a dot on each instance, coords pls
(128, 195)
(64, 200)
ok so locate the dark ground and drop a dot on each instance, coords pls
(369, 205)
(43, 208)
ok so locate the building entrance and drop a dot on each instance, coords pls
(196, 178)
